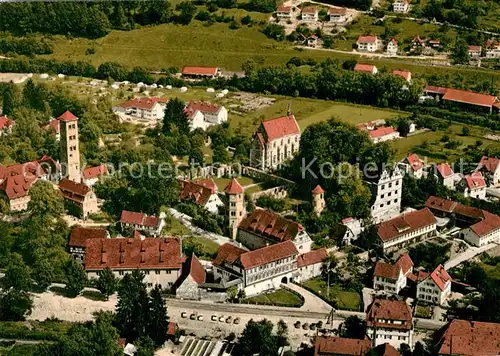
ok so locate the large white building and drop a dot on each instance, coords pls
(158, 258)
(259, 270)
(406, 229)
(391, 278)
(143, 108)
(203, 115)
(263, 227)
(386, 191)
(401, 6)
(274, 142)
(389, 321)
(434, 287)
(309, 264)
(337, 15)
(369, 43)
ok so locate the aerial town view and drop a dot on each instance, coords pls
(250, 178)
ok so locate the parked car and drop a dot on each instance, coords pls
(237, 320)
(229, 319)
(221, 319)
(192, 316)
(214, 317)
(200, 317)
(184, 315)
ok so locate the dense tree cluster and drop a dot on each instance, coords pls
(462, 13)
(258, 338)
(29, 46)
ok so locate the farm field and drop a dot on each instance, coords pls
(169, 45)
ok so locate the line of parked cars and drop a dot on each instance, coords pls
(227, 319)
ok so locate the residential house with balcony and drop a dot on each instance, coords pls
(389, 321)
(337, 15)
(406, 229)
(434, 287)
(492, 48)
(309, 14)
(369, 44)
(284, 13)
(263, 227)
(475, 51)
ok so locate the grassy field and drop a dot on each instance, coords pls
(205, 248)
(168, 45)
(281, 297)
(492, 271)
(429, 144)
(345, 300)
(223, 182)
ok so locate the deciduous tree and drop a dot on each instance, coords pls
(76, 278)
(107, 282)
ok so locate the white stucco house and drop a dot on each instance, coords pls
(406, 229)
(434, 287)
(309, 14)
(389, 321)
(284, 12)
(412, 165)
(337, 15)
(143, 108)
(473, 186)
(392, 47)
(490, 168)
(264, 227)
(309, 264)
(202, 194)
(445, 175)
(391, 278)
(348, 230)
(91, 175)
(369, 43)
(401, 6)
(203, 115)
(274, 142)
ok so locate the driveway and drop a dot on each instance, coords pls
(312, 303)
(467, 255)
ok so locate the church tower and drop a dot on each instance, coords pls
(70, 150)
(318, 197)
(235, 205)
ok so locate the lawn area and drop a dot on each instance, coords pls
(345, 299)
(162, 46)
(492, 271)
(174, 227)
(204, 248)
(20, 350)
(310, 111)
(423, 312)
(223, 182)
(281, 297)
(429, 144)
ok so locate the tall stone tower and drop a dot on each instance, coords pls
(318, 197)
(236, 205)
(70, 148)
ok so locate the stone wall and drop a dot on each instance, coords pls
(262, 176)
(280, 192)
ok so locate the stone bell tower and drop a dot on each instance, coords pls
(318, 200)
(235, 205)
(70, 147)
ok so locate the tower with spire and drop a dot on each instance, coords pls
(235, 205)
(318, 200)
(70, 150)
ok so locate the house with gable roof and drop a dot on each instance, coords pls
(203, 114)
(201, 194)
(473, 186)
(337, 15)
(6, 125)
(417, 44)
(309, 264)
(259, 270)
(145, 223)
(412, 165)
(406, 75)
(401, 6)
(435, 287)
(192, 72)
(332, 345)
(274, 142)
(143, 108)
(192, 276)
(369, 43)
(389, 321)
(392, 46)
(392, 278)
(365, 68)
(91, 175)
(445, 175)
(264, 227)
(309, 14)
(80, 199)
(347, 230)
(77, 238)
(490, 167)
(284, 12)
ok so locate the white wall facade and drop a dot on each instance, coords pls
(394, 337)
(307, 272)
(213, 204)
(338, 18)
(284, 15)
(369, 46)
(310, 17)
(274, 153)
(389, 137)
(216, 118)
(389, 285)
(253, 241)
(478, 193)
(164, 277)
(387, 193)
(400, 7)
(470, 236)
(409, 238)
(269, 276)
(429, 292)
(392, 48)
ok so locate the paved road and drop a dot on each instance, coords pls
(312, 303)
(467, 255)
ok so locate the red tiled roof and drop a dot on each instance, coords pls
(385, 350)
(440, 277)
(364, 68)
(435, 90)
(394, 41)
(318, 190)
(143, 103)
(475, 181)
(67, 116)
(19, 185)
(284, 8)
(309, 10)
(69, 186)
(206, 182)
(414, 161)
(382, 131)
(233, 187)
(470, 338)
(80, 234)
(469, 97)
(367, 39)
(209, 71)
(54, 125)
(5, 122)
(490, 223)
(196, 270)
(475, 48)
(444, 170)
(134, 218)
(312, 257)
(279, 127)
(228, 253)
(489, 163)
(418, 40)
(194, 191)
(268, 254)
(337, 11)
(94, 172)
(402, 73)
(405, 223)
(389, 310)
(404, 261)
(386, 270)
(171, 328)
(440, 204)
(270, 225)
(332, 345)
(204, 107)
(127, 253)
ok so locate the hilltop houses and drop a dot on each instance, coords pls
(203, 115)
(401, 6)
(284, 12)
(274, 142)
(369, 44)
(192, 72)
(201, 194)
(309, 14)
(143, 108)
(337, 15)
